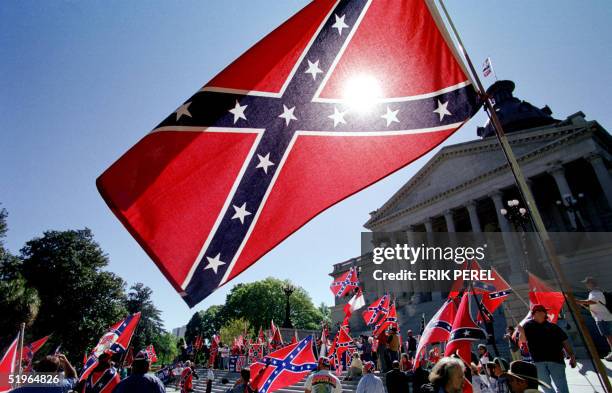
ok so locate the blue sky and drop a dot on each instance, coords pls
(82, 81)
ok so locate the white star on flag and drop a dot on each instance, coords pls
(441, 110)
(391, 116)
(214, 263)
(264, 162)
(466, 333)
(287, 114)
(241, 212)
(313, 69)
(182, 110)
(238, 112)
(337, 117)
(340, 24)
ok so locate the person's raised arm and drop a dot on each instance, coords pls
(69, 370)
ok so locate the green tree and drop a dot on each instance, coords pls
(3, 228)
(234, 328)
(262, 301)
(325, 313)
(194, 327)
(78, 300)
(150, 326)
(205, 322)
(18, 302)
(166, 347)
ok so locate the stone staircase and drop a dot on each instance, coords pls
(219, 387)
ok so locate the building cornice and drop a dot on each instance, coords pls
(563, 135)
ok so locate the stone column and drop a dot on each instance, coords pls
(516, 275)
(474, 220)
(558, 173)
(428, 225)
(450, 223)
(599, 166)
(410, 235)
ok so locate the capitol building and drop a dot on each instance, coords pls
(465, 188)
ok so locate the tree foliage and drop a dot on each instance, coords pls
(78, 300)
(18, 301)
(150, 326)
(262, 301)
(206, 323)
(234, 328)
(166, 347)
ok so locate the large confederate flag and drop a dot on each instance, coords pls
(337, 97)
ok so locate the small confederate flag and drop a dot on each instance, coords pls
(345, 283)
(284, 367)
(8, 365)
(151, 352)
(31, 349)
(276, 340)
(376, 310)
(463, 333)
(324, 106)
(388, 321)
(116, 340)
(437, 330)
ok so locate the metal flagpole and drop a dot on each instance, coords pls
(535, 214)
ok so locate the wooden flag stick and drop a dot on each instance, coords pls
(534, 213)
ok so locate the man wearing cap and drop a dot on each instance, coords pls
(370, 383)
(393, 346)
(104, 377)
(523, 378)
(596, 303)
(323, 381)
(52, 364)
(546, 342)
(187, 378)
(140, 381)
(483, 357)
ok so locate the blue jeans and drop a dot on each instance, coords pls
(556, 371)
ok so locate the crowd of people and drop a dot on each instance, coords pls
(538, 350)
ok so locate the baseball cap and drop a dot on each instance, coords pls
(324, 361)
(538, 307)
(367, 366)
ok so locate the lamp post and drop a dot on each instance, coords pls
(288, 289)
(518, 217)
(572, 206)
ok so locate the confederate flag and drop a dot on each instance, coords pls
(437, 330)
(345, 283)
(463, 333)
(376, 310)
(336, 98)
(284, 367)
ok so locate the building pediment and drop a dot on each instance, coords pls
(457, 165)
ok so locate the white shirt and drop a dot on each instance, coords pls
(323, 381)
(599, 310)
(370, 383)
